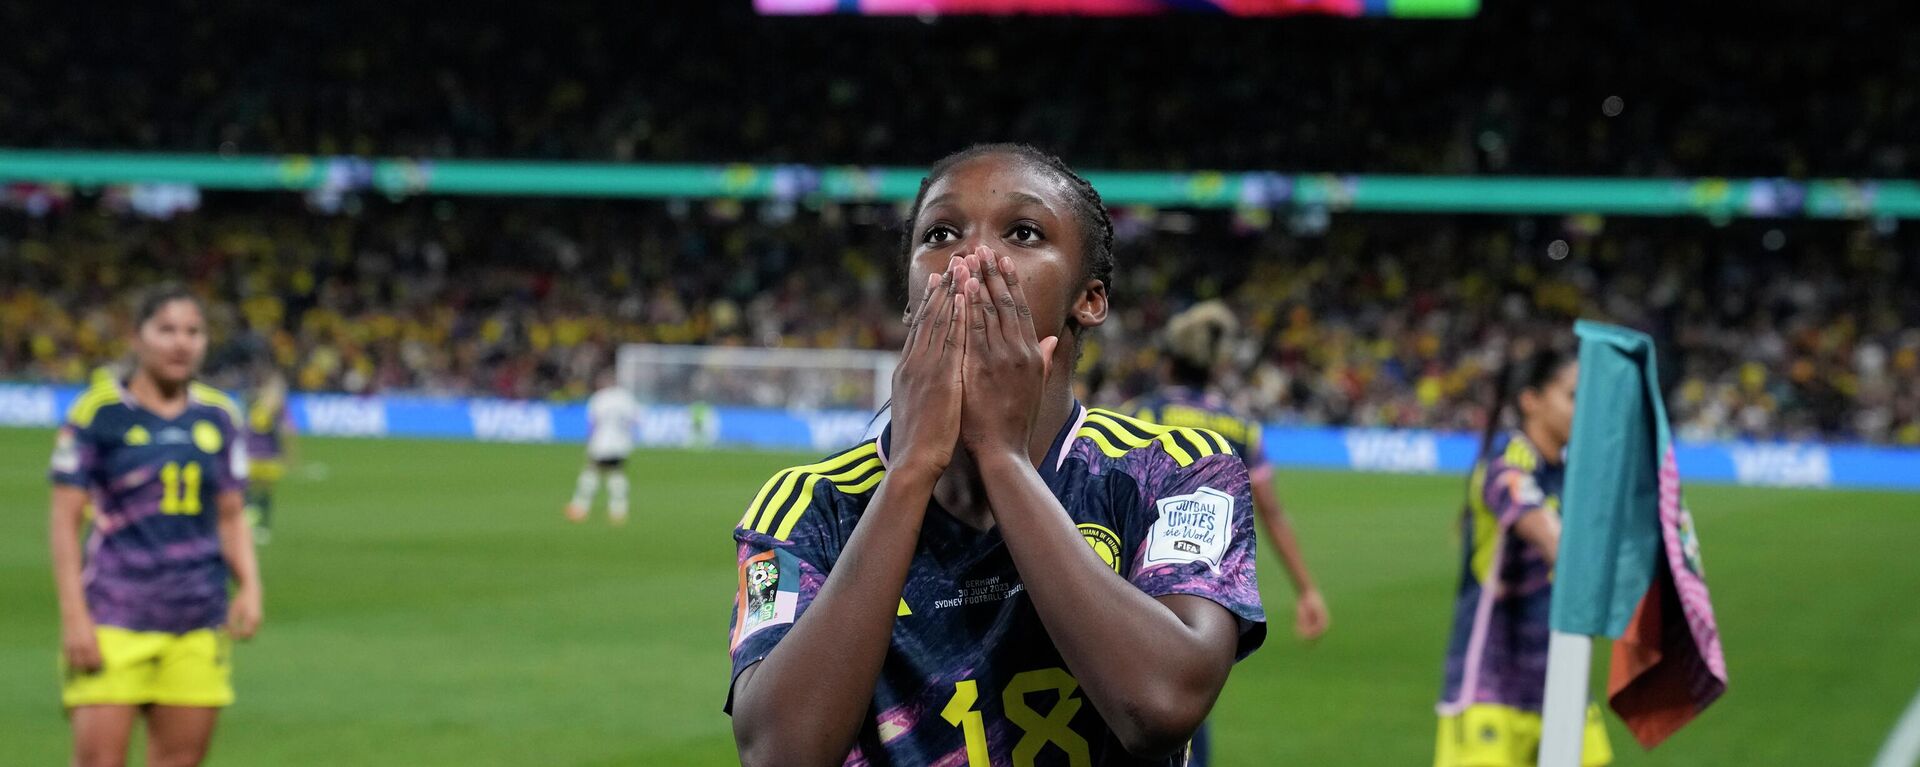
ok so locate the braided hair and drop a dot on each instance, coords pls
(1095, 225)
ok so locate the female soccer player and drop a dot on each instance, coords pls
(269, 448)
(1196, 345)
(612, 414)
(1003, 576)
(1496, 670)
(145, 625)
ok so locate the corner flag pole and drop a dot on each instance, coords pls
(1563, 718)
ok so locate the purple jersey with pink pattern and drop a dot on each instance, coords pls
(1498, 650)
(970, 665)
(153, 560)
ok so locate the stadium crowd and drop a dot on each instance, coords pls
(1770, 329)
(1612, 88)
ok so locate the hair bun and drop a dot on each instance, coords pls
(1198, 335)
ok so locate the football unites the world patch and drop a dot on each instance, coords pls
(1192, 528)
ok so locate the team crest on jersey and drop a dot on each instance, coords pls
(1104, 543)
(206, 436)
(66, 452)
(137, 436)
(1191, 528)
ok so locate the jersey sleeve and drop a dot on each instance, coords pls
(231, 462)
(1199, 541)
(76, 454)
(777, 576)
(1256, 453)
(1512, 493)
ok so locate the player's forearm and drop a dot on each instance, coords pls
(1541, 530)
(805, 702)
(1104, 625)
(1266, 505)
(63, 538)
(236, 541)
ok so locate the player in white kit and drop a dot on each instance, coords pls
(611, 416)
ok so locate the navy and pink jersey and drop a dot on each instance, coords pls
(153, 560)
(1199, 409)
(1498, 650)
(971, 676)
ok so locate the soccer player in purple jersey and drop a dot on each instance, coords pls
(146, 618)
(1195, 345)
(1003, 576)
(269, 439)
(1496, 670)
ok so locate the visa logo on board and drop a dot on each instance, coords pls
(831, 431)
(1397, 451)
(27, 406)
(1782, 465)
(675, 426)
(345, 416)
(511, 421)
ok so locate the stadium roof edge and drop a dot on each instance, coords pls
(1255, 190)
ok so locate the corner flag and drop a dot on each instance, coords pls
(1629, 561)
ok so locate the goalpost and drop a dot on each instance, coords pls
(728, 376)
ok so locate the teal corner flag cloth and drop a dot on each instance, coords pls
(1610, 522)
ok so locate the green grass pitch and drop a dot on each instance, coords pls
(427, 605)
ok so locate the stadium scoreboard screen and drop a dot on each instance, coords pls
(1457, 9)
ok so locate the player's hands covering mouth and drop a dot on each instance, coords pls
(926, 383)
(1006, 366)
(972, 371)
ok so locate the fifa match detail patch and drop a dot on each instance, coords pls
(1191, 528)
(769, 593)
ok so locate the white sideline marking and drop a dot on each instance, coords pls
(1902, 748)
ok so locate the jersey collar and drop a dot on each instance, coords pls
(1050, 465)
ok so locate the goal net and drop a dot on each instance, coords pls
(788, 379)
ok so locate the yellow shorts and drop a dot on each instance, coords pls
(141, 667)
(1492, 735)
(266, 471)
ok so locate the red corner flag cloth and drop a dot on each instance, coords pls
(1667, 667)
